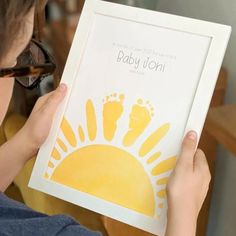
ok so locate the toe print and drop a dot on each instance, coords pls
(139, 119)
(112, 111)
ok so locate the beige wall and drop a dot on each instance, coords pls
(223, 210)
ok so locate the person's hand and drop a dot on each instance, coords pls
(37, 127)
(187, 188)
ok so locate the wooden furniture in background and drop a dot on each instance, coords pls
(221, 124)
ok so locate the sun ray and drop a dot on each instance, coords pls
(112, 111)
(50, 164)
(46, 175)
(162, 193)
(55, 154)
(164, 166)
(139, 119)
(152, 158)
(91, 120)
(68, 132)
(153, 139)
(162, 181)
(81, 134)
(62, 145)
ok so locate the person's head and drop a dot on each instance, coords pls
(16, 27)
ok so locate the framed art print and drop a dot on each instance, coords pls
(137, 80)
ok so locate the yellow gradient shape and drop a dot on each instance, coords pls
(162, 193)
(50, 164)
(81, 134)
(109, 173)
(164, 166)
(139, 119)
(91, 120)
(153, 157)
(68, 132)
(162, 181)
(62, 145)
(153, 140)
(55, 154)
(117, 175)
(112, 111)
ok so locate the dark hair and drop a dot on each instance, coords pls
(12, 13)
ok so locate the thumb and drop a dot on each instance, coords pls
(55, 99)
(188, 149)
(200, 161)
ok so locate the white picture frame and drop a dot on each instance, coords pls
(212, 40)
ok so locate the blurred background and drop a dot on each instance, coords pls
(56, 29)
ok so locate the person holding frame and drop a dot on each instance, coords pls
(27, 62)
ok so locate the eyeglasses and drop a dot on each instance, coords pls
(33, 65)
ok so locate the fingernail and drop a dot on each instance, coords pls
(192, 135)
(62, 87)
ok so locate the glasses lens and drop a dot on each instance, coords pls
(32, 55)
(27, 81)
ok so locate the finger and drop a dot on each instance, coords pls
(188, 149)
(55, 99)
(41, 101)
(200, 161)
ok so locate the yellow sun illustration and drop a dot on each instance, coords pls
(134, 179)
